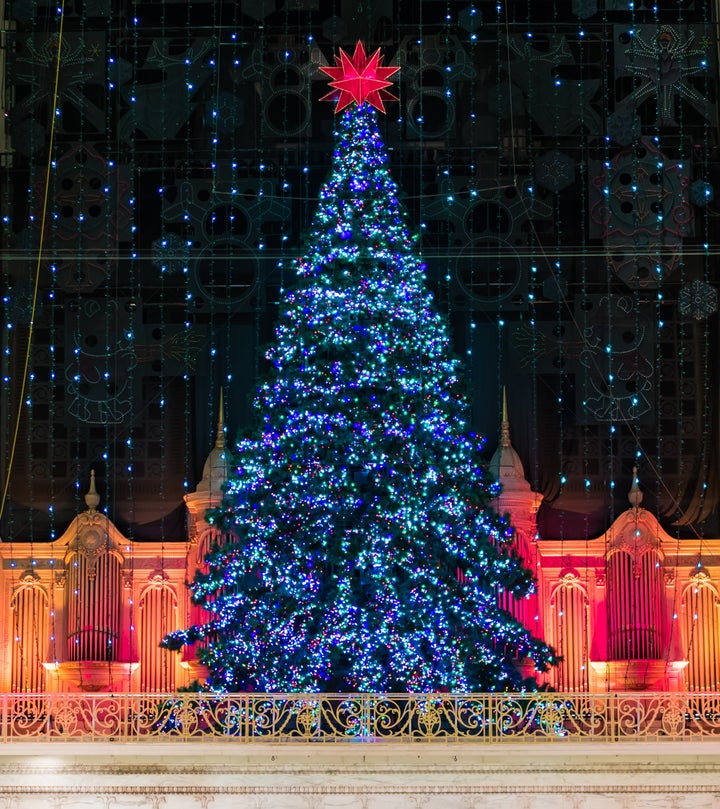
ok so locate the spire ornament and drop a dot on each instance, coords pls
(92, 498)
(635, 496)
(359, 78)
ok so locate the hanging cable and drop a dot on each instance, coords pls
(38, 263)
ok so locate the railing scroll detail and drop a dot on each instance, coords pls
(340, 718)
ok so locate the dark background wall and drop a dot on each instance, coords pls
(560, 160)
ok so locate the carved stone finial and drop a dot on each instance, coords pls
(220, 437)
(505, 464)
(635, 496)
(92, 498)
(505, 427)
(215, 470)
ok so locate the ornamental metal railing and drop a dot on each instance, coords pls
(341, 718)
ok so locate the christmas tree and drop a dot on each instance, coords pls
(367, 555)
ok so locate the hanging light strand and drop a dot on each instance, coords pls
(39, 258)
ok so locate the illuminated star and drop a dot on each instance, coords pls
(359, 78)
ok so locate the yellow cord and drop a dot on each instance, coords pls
(38, 265)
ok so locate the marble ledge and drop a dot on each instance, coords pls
(232, 765)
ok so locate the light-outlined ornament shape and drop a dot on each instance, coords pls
(698, 300)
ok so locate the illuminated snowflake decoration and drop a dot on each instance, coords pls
(171, 253)
(663, 66)
(555, 171)
(21, 304)
(698, 300)
(359, 78)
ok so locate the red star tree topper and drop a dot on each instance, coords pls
(359, 78)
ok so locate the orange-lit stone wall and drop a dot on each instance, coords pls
(631, 610)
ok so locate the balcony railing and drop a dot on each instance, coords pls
(342, 718)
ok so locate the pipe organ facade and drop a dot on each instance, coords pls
(631, 610)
